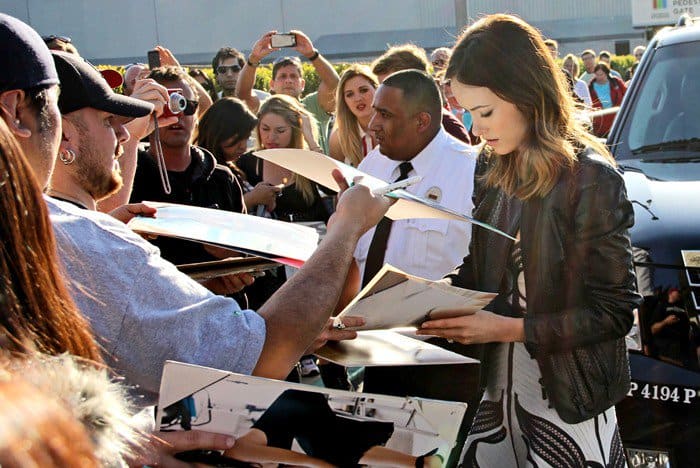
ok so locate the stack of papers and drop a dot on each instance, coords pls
(228, 266)
(392, 301)
(282, 242)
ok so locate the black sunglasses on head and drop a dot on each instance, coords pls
(54, 37)
(222, 69)
(191, 107)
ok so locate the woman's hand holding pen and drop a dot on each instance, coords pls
(480, 327)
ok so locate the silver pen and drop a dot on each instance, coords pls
(396, 185)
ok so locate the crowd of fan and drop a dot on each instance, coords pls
(118, 303)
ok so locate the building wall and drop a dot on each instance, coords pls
(547, 10)
(577, 25)
(121, 32)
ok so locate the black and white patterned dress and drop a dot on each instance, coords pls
(515, 425)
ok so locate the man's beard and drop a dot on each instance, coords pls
(99, 181)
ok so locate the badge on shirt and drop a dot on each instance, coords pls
(434, 194)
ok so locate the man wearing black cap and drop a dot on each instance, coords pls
(94, 131)
(28, 104)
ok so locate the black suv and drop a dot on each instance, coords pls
(656, 142)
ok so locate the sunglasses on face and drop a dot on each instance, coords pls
(54, 37)
(222, 69)
(191, 107)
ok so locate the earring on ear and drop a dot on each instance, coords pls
(16, 121)
(67, 157)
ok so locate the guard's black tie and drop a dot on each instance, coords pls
(377, 248)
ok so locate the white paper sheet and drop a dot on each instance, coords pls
(318, 167)
(241, 232)
(395, 299)
(388, 348)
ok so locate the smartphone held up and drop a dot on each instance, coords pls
(153, 59)
(278, 41)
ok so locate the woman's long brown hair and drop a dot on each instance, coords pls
(36, 310)
(40, 431)
(508, 56)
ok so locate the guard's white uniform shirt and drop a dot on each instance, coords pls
(429, 248)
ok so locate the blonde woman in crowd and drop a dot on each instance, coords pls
(351, 139)
(284, 123)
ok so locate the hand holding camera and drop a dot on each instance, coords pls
(177, 104)
(303, 44)
(278, 41)
(161, 56)
(150, 91)
(262, 48)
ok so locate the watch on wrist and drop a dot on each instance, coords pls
(314, 56)
(252, 64)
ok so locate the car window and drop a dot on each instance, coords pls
(666, 108)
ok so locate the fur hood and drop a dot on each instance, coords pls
(96, 400)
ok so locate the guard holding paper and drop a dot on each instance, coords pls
(412, 142)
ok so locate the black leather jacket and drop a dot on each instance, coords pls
(578, 276)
